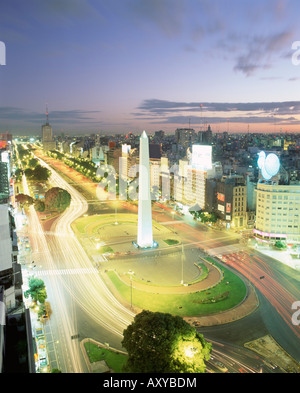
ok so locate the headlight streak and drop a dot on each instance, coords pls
(89, 291)
(71, 347)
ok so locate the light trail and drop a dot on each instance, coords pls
(40, 242)
(264, 280)
(89, 291)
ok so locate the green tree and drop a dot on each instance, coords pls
(24, 199)
(57, 199)
(33, 162)
(40, 173)
(163, 343)
(18, 174)
(55, 371)
(37, 290)
(39, 205)
(29, 173)
(280, 245)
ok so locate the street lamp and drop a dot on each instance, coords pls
(182, 258)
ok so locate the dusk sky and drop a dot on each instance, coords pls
(116, 66)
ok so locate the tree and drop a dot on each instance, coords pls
(24, 199)
(36, 290)
(40, 173)
(163, 343)
(57, 199)
(280, 245)
(39, 205)
(33, 162)
(18, 174)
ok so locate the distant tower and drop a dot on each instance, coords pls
(47, 137)
(145, 234)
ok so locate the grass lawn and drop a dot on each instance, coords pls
(114, 360)
(104, 249)
(171, 242)
(227, 294)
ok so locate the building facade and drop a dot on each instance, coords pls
(231, 201)
(277, 213)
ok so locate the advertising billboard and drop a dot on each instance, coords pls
(202, 156)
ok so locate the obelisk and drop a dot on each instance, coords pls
(144, 233)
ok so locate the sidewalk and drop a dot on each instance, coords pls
(280, 255)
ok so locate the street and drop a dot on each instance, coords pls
(84, 307)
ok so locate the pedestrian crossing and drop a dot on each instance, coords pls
(63, 272)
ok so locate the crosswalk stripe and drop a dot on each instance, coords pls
(59, 272)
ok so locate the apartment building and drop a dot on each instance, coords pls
(277, 212)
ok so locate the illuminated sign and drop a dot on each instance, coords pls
(267, 234)
(126, 149)
(228, 207)
(221, 197)
(202, 156)
(269, 165)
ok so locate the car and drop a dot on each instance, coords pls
(221, 367)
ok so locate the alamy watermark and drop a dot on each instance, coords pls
(2, 53)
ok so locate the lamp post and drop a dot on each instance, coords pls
(182, 257)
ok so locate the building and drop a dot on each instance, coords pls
(4, 182)
(185, 136)
(231, 201)
(277, 212)
(155, 154)
(47, 136)
(11, 301)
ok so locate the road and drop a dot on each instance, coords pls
(71, 281)
(280, 290)
(94, 311)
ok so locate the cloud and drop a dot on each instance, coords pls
(259, 52)
(168, 112)
(164, 106)
(184, 120)
(63, 116)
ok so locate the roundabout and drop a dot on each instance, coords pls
(175, 278)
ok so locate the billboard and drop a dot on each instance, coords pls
(126, 149)
(221, 197)
(269, 165)
(202, 156)
(3, 144)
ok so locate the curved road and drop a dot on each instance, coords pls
(85, 288)
(72, 280)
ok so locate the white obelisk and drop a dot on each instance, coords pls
(144, 233)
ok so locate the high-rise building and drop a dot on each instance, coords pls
(4, 182)
(277, 212)
(47, 136)
(185, 136)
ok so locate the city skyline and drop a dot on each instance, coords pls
(137, 64)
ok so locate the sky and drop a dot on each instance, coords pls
(119, 66)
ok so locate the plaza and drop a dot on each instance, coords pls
(167, 279)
